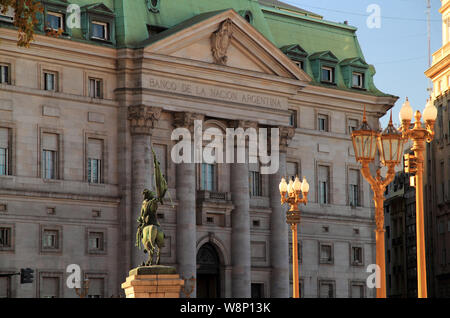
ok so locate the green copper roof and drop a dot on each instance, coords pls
(284, 25)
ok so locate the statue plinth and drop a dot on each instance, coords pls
(155, 281)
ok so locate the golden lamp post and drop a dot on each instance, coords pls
(290, 193)
(390, 146)
(414, 165)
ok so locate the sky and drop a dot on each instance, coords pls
(398, 48)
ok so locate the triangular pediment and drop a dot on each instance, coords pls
(98, 7)
(355, 62)
(294, 52)
(324, 55)
(224, 38)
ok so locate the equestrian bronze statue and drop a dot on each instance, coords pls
(149, 231)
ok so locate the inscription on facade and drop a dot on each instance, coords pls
(209, 91)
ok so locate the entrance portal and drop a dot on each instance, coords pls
(208, 275)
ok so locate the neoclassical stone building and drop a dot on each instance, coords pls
(437, 187)
(78, 114)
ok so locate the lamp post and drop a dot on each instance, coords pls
(390, 146)
(290, 193)
(418, 134)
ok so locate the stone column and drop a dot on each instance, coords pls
(186, 219)
(279, 243)
(142, 120)
(240, 223)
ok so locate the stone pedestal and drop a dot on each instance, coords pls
(153, 282)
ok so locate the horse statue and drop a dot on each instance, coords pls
(149, 231)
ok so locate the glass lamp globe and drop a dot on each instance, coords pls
(297, 184)
(430, 111)
(305, 186)
(283, 186)
(406, 112)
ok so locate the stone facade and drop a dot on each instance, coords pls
(437, 186)
(231, 235)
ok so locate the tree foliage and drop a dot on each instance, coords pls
(25, 18)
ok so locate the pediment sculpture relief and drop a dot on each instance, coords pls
(220, 41)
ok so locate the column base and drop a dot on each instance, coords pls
(153, 282)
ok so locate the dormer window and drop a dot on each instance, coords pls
(7, 16)
(327, 74)
(354, 72)
(55, 21)
(296, 53)
(97, 23)
(357, 80)
(323, 65)
(99, 30)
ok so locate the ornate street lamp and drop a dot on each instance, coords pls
(390, 146)
(290, 193)
(418, 134)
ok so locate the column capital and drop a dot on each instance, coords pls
(244, 124)
(286, 135)
(143, 118)
(186, 119)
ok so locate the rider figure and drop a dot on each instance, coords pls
(148, 213)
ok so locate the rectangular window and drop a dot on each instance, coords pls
(50, 81)
(96, 288)
(95, 88)
(4, 151)
(50, 287)
(357, 80)
(49, 161)
(327, 74)
(322, 123)
(5, 287)
(326, 289)
(324, 184)
(291, 170)
(50, 239)
(352, 125)
(293, 118)
(96, 241)
(257, 290)
(55, 20)
(208, 177)
(353, 191)
(8, 16)
(95, 158)
(94, 168)
(4, 74)
(357, 291)
(300, 64)
(5, 237)
(255, 183)
(326, 254)
(357, 255)
(99, 30)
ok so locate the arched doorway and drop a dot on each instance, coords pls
(208, 275)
